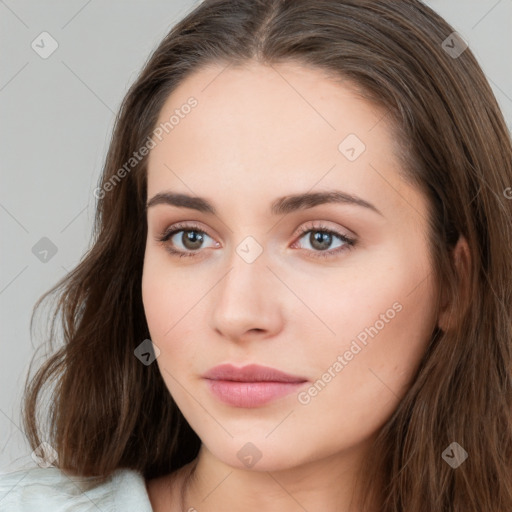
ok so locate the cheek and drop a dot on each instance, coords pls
(168, 302)
(360, 385)
(383, 319)
(166, 293)
(387, 295)
(155, 296)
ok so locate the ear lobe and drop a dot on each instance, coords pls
(451, 310)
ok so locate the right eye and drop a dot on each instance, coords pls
(189, 236)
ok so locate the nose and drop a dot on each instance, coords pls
(247, 302)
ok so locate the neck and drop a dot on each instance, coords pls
(209, 485)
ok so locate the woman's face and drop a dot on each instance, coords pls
(337, 293)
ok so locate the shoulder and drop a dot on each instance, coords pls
(50, 489)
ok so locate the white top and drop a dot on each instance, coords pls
(40, 489)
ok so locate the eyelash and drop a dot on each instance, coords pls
(349, 243)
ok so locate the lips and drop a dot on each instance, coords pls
(250, 373)
(250, 386)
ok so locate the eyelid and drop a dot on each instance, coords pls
(321, 225)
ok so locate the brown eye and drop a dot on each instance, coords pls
(191, 239)
(184, 240)
(319, 241)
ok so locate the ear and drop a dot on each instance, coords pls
(451, 310)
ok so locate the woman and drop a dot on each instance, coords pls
(299, 293)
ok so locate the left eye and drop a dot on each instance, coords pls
(322, 240)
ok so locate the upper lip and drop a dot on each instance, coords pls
(250, 373)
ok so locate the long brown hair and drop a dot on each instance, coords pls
(109, 411)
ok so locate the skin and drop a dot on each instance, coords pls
(259, 133)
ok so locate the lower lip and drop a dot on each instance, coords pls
(251, 394)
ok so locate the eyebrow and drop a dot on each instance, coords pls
(281, 206)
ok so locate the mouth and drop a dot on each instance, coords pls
(252, 385)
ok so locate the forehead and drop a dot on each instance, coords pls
(262, 130)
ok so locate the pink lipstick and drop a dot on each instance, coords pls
(252, 385)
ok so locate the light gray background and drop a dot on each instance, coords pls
(56, 120)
